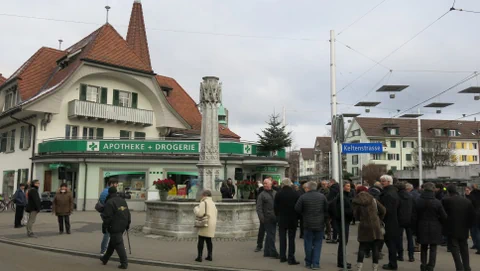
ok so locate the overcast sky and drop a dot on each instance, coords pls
(289, 64)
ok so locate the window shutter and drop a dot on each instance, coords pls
(103, 98)
(83, 92)
(99, 133)
(134, 100)
(116, 97)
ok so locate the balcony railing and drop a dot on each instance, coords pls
(109, 113)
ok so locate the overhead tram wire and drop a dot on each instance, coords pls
(361, 17)
(395, 50)
(362, 54)
(165, 30)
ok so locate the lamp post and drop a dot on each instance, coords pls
(333, 104)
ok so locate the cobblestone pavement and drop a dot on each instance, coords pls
(86, 236)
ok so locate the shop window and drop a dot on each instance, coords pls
(133, 182)
(71, 132)
(8, 181)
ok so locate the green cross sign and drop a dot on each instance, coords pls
(93, 146)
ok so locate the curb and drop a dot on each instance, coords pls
(130, 260)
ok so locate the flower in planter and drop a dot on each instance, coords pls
(164, 185)
(247, 185)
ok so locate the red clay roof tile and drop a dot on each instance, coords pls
(137, 36)
(2, 79)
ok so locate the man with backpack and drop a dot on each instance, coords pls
(100, 208)
(406, 218)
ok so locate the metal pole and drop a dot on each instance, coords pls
(329, 164)
(420, 158)
(342, 208)
(333, 102)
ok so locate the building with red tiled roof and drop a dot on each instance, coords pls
(322, 149)
(97, 110)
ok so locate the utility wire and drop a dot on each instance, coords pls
(395, 50)
(166, 30)
(464, 10)
(362, 54)
(363, 16)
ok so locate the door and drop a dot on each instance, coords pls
(47, 185)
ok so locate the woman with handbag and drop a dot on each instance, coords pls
(370, 213)
(206, 222)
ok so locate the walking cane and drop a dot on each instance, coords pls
(129, 247)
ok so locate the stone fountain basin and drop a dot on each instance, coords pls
(235, 219)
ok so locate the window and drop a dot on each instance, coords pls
(10, 99)
(24, 137)
(475, 158)
(394, 168)
(394, 131)
(438, 132)
(408, 144)
(408, 157)
(11, 141)
(355, 171)
(356, 132)
(393, 156)
(376, 156)
(354, 159)
(139, 135)
(124, 134)
(452, 133)
(3, 142)
(93, 94)
(453, 145)
(463, 146)
(166, 91)
(393, 144)
(71, 132)
(475, 145)
(92, 133)
(463, 158)
(125, 98)
(408, 168)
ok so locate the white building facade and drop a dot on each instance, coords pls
(306, 162)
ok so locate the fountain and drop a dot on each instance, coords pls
(236, 219)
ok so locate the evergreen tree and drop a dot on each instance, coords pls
(274, 137)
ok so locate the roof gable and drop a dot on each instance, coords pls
(323, 143)
(307, 153)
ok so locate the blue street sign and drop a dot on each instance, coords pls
(362, 148)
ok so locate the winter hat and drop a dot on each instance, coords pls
(361, 188)
(112, 190)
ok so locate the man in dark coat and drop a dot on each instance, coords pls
(284, 206)
(406, 215)
(390, 199)
(430, 217)
(376, 190)
(261, 229)
(116, 220)
(266, 215)
(33, 207)
(475, 198)
(313, 206)
(334, 191)
(20, 202)
(461, 216)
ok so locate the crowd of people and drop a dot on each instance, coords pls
(430, 216)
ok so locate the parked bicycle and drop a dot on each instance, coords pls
(6, 204)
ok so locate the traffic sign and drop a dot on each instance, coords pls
(362, 148)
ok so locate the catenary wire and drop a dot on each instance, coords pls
(359, 19)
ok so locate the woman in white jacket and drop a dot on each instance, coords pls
(205, 234)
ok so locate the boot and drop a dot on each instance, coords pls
(359, 266)
(375, 267)
(423, 267)
(123, 266)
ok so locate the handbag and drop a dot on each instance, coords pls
(202, 222)
(382, 224)
(99, 207)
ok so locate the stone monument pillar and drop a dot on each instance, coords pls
(209, 163)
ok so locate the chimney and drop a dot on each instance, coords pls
(136, 35)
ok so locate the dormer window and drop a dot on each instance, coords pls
(166, 91)
(438, 132)
(393, 131)
(356, 132)
(10, 99)
(453, 133)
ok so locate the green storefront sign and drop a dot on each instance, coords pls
(266, 169)
(141, 146)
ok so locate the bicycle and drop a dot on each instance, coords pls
(5, 205)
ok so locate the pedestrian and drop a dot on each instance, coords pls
(284, 206)
(112, 182)
(412, 191)
(226, 191)
(475, 199)
(205, 234)
(325, 190)
(333, 193)
(391, 201)
(231, 186)
(62, 207)
(335, 209)
(430, 217)
(266, 215)
(20, 200)
(406, 217)
(369, 212)
(300, 192)
(33, 207)
(461, 215)
(376, 190)
(261, 229)
(313, 206)
(116, 220)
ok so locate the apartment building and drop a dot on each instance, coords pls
(322, 152)
(306, 162)
(458, 139)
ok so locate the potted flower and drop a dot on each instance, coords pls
(247, 187)
(163, 186)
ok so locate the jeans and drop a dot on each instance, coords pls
(459, 250)
(116, 243)
(19, 215)
(261, 236)
(31, 221)
(66, 219)
(291, 243)
(201, 241)
(340, 247)
(269, 249)
(367, 246)
(411, 247)
(392, 252)
(312, 241)
(105, 241)
(433, 255)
